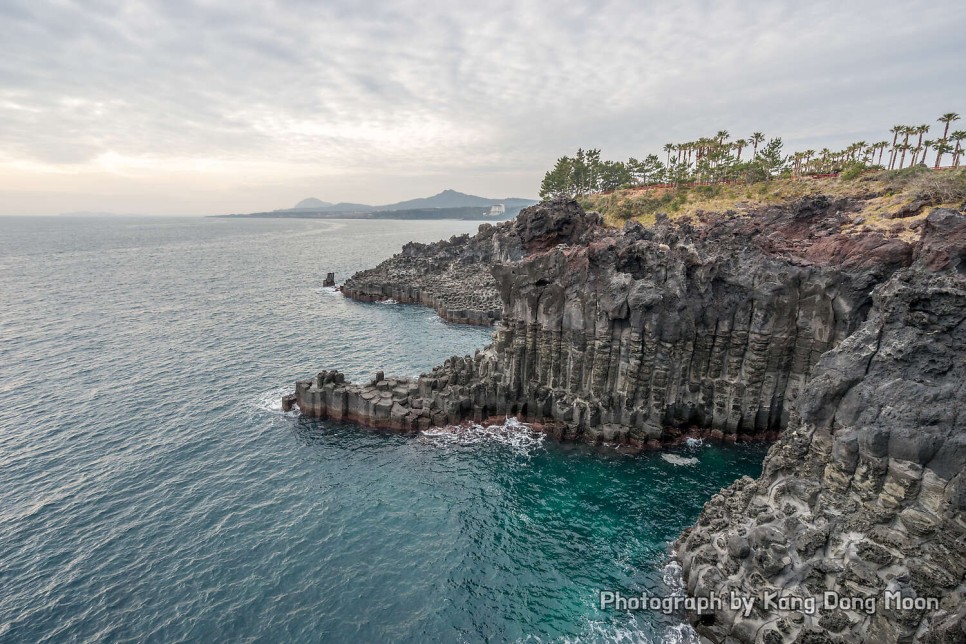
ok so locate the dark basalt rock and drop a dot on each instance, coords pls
(634, 336)
(848, 346)
(453, 276)
(880, 435)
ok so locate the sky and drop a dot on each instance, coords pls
(222, 106)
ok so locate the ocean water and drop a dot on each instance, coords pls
(152, 490)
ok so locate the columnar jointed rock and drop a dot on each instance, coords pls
(865, 494)
(627, 335)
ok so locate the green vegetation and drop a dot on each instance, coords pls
(715, 160)
(888, 200)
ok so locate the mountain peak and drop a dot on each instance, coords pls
(311, 202)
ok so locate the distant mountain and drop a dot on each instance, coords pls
(445, 199)
(310, 204)
(454, 199)
(449, 204)
(305, 206)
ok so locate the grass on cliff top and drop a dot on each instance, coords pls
(879, 194)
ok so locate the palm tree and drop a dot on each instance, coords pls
(907, 131)
(947, 118)
(958, 136)
(740, 144)
(905, 147)
(942, 148)
(756, 138)
(721, 136)
(808, 158)
(925, 148)
(896, 131)
(882, 145)
(920, 130)
(669, 147)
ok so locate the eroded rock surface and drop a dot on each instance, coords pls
(864, 496)
(454, 276)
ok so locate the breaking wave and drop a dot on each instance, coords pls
(673, 577)
(512, 433)
(271, 402)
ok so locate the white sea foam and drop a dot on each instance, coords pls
(512, 433)
(694, 442)
(271, 402)
(674, 459)
(389, 301)
(673, 577)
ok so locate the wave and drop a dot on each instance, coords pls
(673, 577)
(694, 442)
(271, 402)
(674, 459)
(389, 301)
(521, 437)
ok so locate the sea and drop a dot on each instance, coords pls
(152, 490)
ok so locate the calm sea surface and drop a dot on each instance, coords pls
(151, 490)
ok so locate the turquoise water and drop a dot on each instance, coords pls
(151, 490)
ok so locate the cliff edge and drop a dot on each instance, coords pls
(864, 495)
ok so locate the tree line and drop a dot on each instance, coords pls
(718, 159)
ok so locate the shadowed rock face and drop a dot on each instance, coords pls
(865, 493)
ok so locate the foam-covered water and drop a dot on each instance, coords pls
(152, 489)
(511, 433)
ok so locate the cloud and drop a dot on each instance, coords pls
(407, 96)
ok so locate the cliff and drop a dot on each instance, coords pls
(632, 335)
(865, 493)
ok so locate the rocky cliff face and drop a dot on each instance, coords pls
(733, 327)
(454, 276)
(633, 335)
(865, 495)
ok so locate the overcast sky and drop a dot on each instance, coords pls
(181, 107)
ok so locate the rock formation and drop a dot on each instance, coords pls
(451, 277)
(864, 496)
(853, 345)
(629, 335)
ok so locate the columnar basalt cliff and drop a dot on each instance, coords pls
(634, 335)
(865, 495)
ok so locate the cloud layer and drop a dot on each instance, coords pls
(238, 105)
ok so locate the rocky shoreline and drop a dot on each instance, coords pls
(851, 347)
(449, 276)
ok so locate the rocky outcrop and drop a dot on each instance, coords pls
(864, 497)
(454, 276)
(733, 327)
(635, 335)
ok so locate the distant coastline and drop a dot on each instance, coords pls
(448, 204)
(466, 213)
